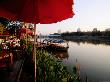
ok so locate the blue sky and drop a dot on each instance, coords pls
(89, 14)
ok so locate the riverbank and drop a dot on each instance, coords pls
(49, 69)
(89, 39)
(101, 38)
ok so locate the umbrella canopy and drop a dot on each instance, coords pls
(36, 11)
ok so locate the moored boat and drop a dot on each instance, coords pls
(58, 45)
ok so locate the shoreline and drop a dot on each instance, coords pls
(101, 38)
(90, 39)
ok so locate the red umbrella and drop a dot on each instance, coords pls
(7, 14)
(36, 11)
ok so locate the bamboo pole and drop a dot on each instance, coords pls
(35, 66)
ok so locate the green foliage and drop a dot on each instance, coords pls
(0, 48)
(50, 69)
(22, 42)
(30, 48)
(4, 21)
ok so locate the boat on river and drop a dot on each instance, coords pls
(57, 44)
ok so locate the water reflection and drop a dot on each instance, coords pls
(93, 58)
(96, 42)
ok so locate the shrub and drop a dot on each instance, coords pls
(50, 69)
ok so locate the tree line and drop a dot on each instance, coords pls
(92, 33)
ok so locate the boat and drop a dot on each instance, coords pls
(58, 45)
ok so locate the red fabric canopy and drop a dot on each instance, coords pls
(36, 11)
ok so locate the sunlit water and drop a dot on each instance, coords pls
(94, 60)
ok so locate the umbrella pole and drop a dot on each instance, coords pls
(35, 50)
(26, 32)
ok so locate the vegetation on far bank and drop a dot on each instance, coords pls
(90, 33)
(100, 36)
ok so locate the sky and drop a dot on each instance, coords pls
(89, 14)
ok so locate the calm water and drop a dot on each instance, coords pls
(94, 60)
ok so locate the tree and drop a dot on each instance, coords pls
(4, 21)
(13, 28)
(3, 24)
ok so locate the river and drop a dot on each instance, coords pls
(94, 60)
